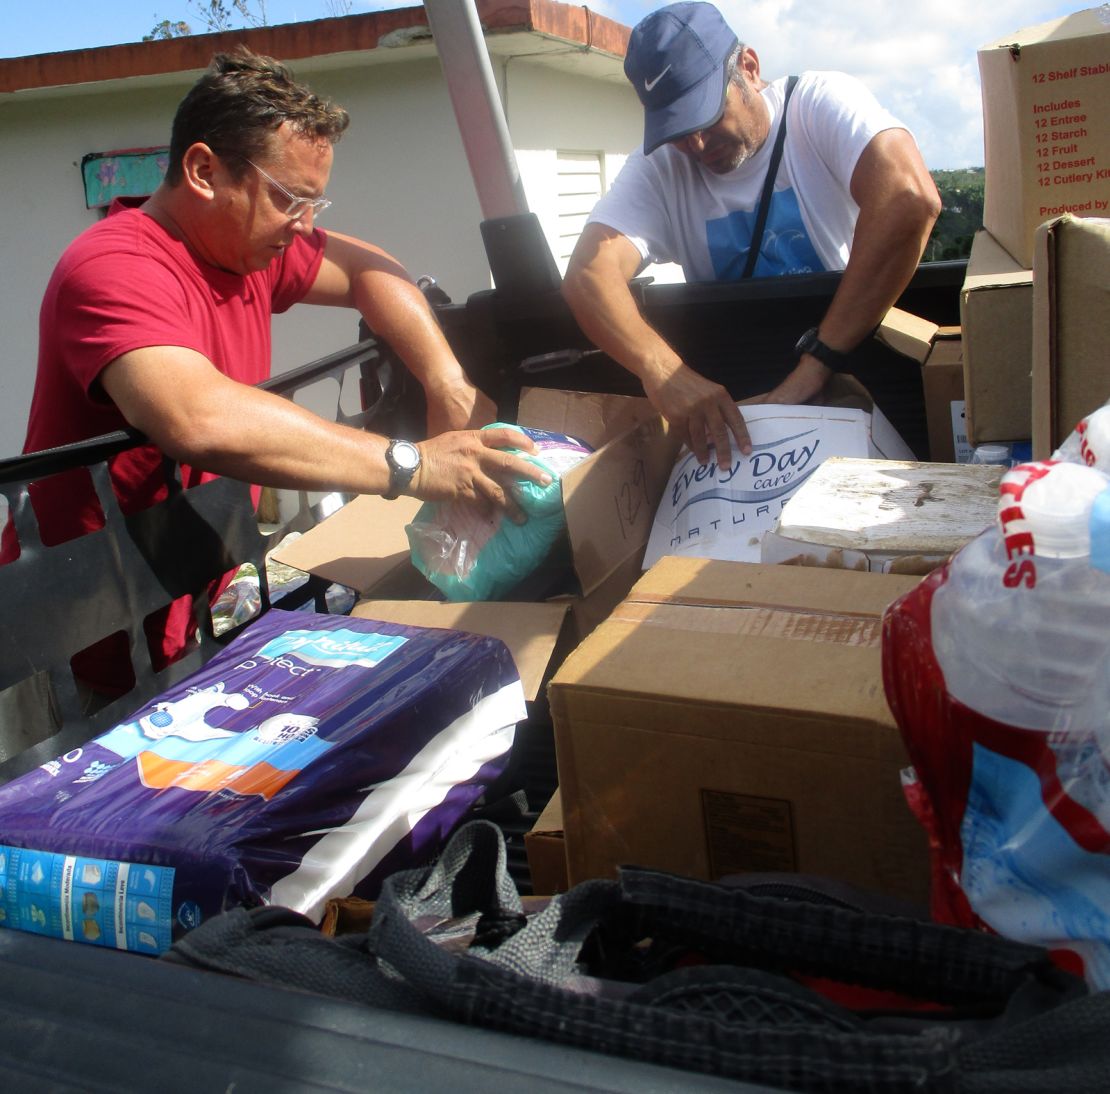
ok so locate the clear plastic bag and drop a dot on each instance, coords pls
(469, 553)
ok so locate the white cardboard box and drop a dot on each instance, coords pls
(883, 516)
(707, 513)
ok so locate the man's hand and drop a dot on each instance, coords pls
(803, 383)
(457, 404)
(472, 466)
(702, 411)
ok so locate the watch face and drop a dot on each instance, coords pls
(405, 455)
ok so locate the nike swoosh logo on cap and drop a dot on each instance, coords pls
(649, 85)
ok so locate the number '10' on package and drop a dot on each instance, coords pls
(310, 758)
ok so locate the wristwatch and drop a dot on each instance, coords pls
(830, 358)
(403, 458)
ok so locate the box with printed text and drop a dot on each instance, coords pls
(1046, 126)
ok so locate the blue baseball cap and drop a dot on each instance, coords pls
(676, 61)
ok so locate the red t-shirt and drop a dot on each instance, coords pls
(122, 285)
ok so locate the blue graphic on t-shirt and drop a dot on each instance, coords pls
(786, 247)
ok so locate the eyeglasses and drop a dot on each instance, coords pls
(298, 205)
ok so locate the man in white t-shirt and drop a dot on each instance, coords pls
(851, 192)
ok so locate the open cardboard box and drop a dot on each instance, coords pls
(1071, 327)
(609, 500)
(731, 717)
(709, 513)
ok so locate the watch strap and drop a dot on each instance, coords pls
(810, 343)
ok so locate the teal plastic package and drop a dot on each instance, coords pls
(469, 554)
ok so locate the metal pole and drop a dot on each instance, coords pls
(481, 120)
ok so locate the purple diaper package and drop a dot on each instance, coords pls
(311, 757)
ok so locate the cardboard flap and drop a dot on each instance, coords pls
(331, 550)
(991, 266)
(610, 500)
(529, 630)
(588, 416)
(907, 334)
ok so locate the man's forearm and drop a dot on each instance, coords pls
(885, 255)
(607, 313)
(898, 205)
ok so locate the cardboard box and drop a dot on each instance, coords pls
(885, 516)
(707, 513)
(1046, 127)
(942, 380)
(609, 500)
(547, 850)
(939, 351)
(1071, 327)
(907, 334)
(996, 304)
(731, 717)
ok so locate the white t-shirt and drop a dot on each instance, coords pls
(674, 210)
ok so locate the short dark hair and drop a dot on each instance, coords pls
(239, 102)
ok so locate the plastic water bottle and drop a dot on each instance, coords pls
(997, 670)
(1021, 626)
(1089, 442)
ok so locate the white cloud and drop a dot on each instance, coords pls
(919, 58)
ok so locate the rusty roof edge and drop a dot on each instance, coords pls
(575, 24)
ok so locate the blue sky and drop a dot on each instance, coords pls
(919, 58)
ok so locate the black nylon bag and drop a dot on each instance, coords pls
(738, 1014)
(698, 976)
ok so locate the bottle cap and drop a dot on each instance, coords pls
(992, 454)
(1055, 502)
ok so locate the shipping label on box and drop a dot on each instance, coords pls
(706, 512)
(1046, 126)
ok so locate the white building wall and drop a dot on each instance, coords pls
(400, 179)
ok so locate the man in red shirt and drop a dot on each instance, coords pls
(158, 317)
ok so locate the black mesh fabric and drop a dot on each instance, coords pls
(693, 975)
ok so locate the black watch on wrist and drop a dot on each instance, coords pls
(403, 459)
(830, 358)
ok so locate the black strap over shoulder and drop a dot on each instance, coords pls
(769, 184)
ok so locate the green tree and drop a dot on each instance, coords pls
(961, 197)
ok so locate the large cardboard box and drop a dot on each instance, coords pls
(887, 516)
(1071, 327)
(1046, 126)
(730, 717)
(996, 318)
